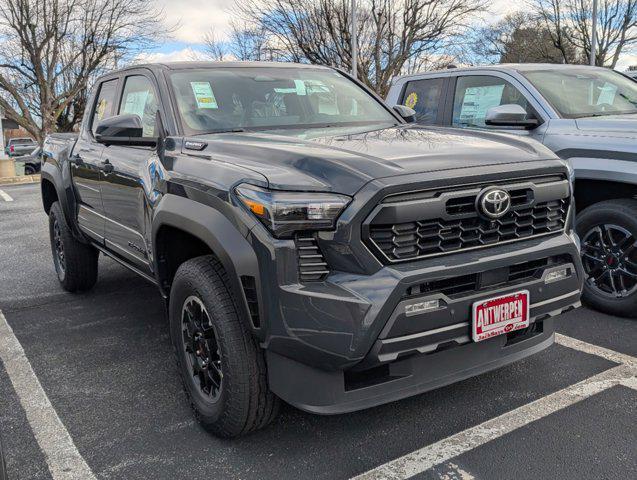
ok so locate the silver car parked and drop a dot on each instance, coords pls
(587, 115)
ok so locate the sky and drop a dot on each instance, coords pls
(192, 19)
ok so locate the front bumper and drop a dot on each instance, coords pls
(347, 344)
(328, 393)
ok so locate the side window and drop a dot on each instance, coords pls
(139, 99)
(476, 95)
(424, 97)
(104, 103)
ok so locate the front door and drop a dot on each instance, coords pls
(86, 164)
(127, 186)
(474, 95)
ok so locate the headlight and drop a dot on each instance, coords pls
(284, 213)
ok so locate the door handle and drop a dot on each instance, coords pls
(108, 166)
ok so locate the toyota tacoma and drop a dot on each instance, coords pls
(310, 244)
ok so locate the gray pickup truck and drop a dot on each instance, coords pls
(310, 244)
(586, 115)
(20, 146)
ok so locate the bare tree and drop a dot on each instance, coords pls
(246, 42)
(570, 25)
(520, 37)
(391, 33)
(54, 47)
(214, 47)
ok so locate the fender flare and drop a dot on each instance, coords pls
(65, 194)
(215, 230)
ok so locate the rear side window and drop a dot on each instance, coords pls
(475, 95)
(139, 99)
(424, 97)
(21, 141)
(104, 104)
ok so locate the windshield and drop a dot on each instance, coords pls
(586, 92)
(243, 98)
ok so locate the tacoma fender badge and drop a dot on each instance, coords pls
(193, 145)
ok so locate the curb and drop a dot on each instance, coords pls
(23, 179)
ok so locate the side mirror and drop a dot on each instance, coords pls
(406, 113)
(124, 129)
(510, 115)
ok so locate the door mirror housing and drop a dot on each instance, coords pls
(123, 129)
(406, 113)
(510, 115)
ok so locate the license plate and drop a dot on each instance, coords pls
(500, 315)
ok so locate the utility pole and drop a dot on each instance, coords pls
(354, 46)
(1, 135)
(594, 34)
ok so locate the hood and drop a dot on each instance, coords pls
(333, 160)
(619, 126)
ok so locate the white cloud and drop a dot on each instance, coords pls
(196, 17)
(185, 54)
(626, 60)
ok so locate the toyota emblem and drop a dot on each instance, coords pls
(494, 203)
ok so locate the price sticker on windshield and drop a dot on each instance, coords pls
(204, 95)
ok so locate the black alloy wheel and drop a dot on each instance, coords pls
(202, 349)
(609, 255)
(58, 250)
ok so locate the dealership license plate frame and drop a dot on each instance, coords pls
(510, 325)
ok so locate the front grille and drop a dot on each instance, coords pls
(456, 225)
(312, 264)
(456, 287)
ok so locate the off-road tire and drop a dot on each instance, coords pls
(622, 212)
(79, 270)
(245, 402)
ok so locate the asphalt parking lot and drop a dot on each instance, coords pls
(89, 389)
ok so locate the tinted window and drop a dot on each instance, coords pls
(217, 99)
(583, 91)
(139, 99)
(424, 97)
(21, 141)
(104, 103)
(476, 95)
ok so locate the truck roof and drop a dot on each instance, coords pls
(211, 64)
(502, 67)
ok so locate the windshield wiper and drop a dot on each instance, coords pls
(222, 130)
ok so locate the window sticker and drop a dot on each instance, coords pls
(136, 103)
(285, 90)
(411, 100)
(606, 94)
(204, 96)
(101, 108)
(476, 102)
(300, 87)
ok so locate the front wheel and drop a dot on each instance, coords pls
(222, 367)
(608, 231)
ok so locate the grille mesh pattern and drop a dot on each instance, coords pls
(411, 240)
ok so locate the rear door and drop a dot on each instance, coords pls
(427, 97)
(86, 162)
(127, 186)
